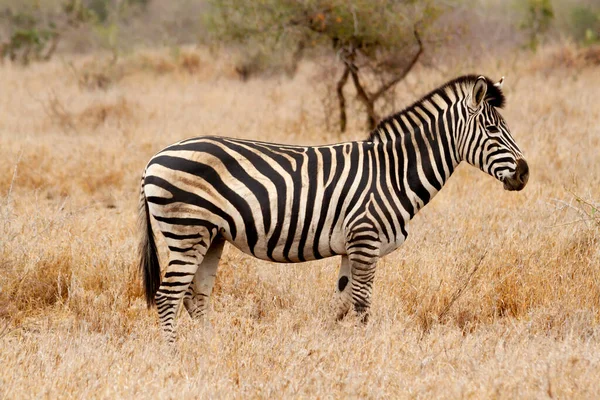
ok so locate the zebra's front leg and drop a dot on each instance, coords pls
(343, 295)
(362, 268)
(355, 281)
(363, 247)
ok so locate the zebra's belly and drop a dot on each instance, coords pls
(285, 250)
(389, 247)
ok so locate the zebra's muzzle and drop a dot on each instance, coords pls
(519, 178)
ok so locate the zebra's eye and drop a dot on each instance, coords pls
(492, 129)
(494, 144)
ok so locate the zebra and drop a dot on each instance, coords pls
(289, 204)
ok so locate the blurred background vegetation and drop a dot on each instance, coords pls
(368, 45)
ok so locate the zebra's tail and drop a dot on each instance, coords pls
(149, 265)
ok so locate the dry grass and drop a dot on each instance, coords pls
(494, 295)
(566, 56)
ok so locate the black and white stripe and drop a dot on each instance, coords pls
(287, 203)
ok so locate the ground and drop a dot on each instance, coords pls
(494, 295)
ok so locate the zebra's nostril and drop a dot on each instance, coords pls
(522, 171)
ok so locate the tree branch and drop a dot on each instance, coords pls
(363, 96)
(385, 87)
(342, 100)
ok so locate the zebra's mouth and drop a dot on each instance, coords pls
(511, 185)
(519, 179)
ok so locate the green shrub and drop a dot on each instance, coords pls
(30, 39)
(539, 15)
(585, 24)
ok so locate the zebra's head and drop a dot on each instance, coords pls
(488, 144)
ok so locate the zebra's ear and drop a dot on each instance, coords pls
(499, 83)
(479, 91)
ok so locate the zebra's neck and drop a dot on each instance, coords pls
(420, 144)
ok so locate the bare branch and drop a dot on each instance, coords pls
(14, 177)
(342, 100)
(364, 97)
(385, 87)
(4, 331)
(458, 293)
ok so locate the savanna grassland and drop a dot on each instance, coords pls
(495, 294)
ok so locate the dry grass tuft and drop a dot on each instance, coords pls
(179, 61)
(97, 175)
(93, 116)
(567, 56)
(99, 114)
(103, 72)
(98, 73)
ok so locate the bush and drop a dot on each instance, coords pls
(30, 39)
(585, 24)
(539, 15)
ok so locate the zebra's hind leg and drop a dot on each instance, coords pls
(184, 259)
(197, 297)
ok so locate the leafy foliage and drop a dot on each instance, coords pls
(34, 28)
(31, 39)
(371, 27)
(585, 24)
(539, 15)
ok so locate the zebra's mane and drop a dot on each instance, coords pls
(493, 96)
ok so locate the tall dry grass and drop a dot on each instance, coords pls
(494, 294)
